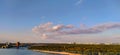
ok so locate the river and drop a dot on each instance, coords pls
(21, 52)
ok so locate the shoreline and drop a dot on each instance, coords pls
(54, 52)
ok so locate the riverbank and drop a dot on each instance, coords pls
(54, 52)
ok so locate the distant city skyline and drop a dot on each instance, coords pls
(62, 21)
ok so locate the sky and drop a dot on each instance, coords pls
(60, 21)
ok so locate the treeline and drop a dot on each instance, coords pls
(80, 48)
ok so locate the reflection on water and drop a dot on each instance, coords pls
(21, 52)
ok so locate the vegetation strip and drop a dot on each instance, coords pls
(64, 53)
(87, 49)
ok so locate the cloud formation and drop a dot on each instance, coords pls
(50, 30)
(94, 29)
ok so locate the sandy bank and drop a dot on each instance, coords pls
(64, 53)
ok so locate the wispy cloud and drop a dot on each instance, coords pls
(94, 29)
(79, 2)
(42, 17)
(49, 30)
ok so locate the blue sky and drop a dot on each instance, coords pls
(19, 17)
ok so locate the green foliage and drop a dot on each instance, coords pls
(81, 48)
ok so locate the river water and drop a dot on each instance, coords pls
(21, 52)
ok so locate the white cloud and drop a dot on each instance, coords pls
(44, 36)
(78, 2)
(48, 29)
(58, 27)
